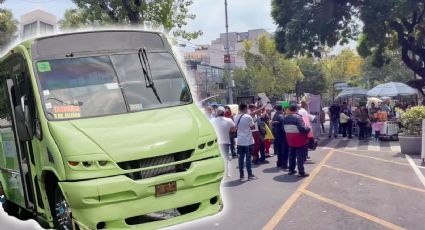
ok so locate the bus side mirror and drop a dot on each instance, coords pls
(23, 123)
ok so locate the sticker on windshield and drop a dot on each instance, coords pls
(48, 105)
(112, 86)
(66, 111)
(46, 92)
(136, 107)
(43, 66)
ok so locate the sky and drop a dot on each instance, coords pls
(243, 14)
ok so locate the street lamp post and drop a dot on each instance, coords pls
(229, 75)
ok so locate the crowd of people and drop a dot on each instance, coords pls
(255, 128)
(250, 134)
(368, 119)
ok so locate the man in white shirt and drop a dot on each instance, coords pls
(303, 112)
(245, 140)
(223, 126)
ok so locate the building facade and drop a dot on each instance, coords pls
(206, 64)
(36, 23)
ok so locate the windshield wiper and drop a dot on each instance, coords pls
(144, 62)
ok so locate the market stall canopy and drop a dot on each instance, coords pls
(352, 92)
(391, 89)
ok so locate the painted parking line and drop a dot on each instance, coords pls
(277, 217)
(376, 179)
(416, 169)
(377, 158)
(374, 158)
(352, 210)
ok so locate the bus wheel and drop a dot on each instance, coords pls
(62, 212)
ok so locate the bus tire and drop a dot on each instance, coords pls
(62, 216)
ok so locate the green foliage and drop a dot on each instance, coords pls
(170, 15)
(394, 70)
(346, 66)
(267, 70)
(309, 26)
(76, 18)
(8, 27)
(314, 81)
(411, 120)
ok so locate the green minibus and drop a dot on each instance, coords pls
(99, 130)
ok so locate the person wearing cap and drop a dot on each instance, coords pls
(296, 135)
(223, 126)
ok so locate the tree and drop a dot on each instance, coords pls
(314, 81)
(170, 15)
(345, 66)
(267, 70)
(8, 27)
(307, 26)
(395, 70)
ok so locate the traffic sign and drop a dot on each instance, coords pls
(227, 58)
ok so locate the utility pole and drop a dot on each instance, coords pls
(206, 82)
(228, 60)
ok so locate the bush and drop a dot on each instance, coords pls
(411, 120)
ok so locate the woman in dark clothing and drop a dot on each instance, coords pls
(362, 117)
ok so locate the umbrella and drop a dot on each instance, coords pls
(352, 92)
(391, 89)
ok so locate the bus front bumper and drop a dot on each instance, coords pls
(119, 202)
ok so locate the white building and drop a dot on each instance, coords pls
(217, 49)
(36, 23)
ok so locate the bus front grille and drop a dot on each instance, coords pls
(157, 161)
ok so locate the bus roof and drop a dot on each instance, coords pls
(60, 45)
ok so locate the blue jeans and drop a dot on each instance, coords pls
(245, 152)
(334, 126)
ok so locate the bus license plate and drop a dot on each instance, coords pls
(165, 189)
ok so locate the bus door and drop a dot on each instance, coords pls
(20, 135)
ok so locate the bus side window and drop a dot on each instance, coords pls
(25, 89)
(5, 118)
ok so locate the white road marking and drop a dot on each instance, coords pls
(416, 169)
(352, 145)
(395, 146)
(374, 146)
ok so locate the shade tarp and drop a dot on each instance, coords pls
(391, 89)
(352, 92)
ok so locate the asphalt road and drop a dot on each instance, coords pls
(352, 185)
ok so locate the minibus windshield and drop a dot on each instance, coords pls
(110, 84)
